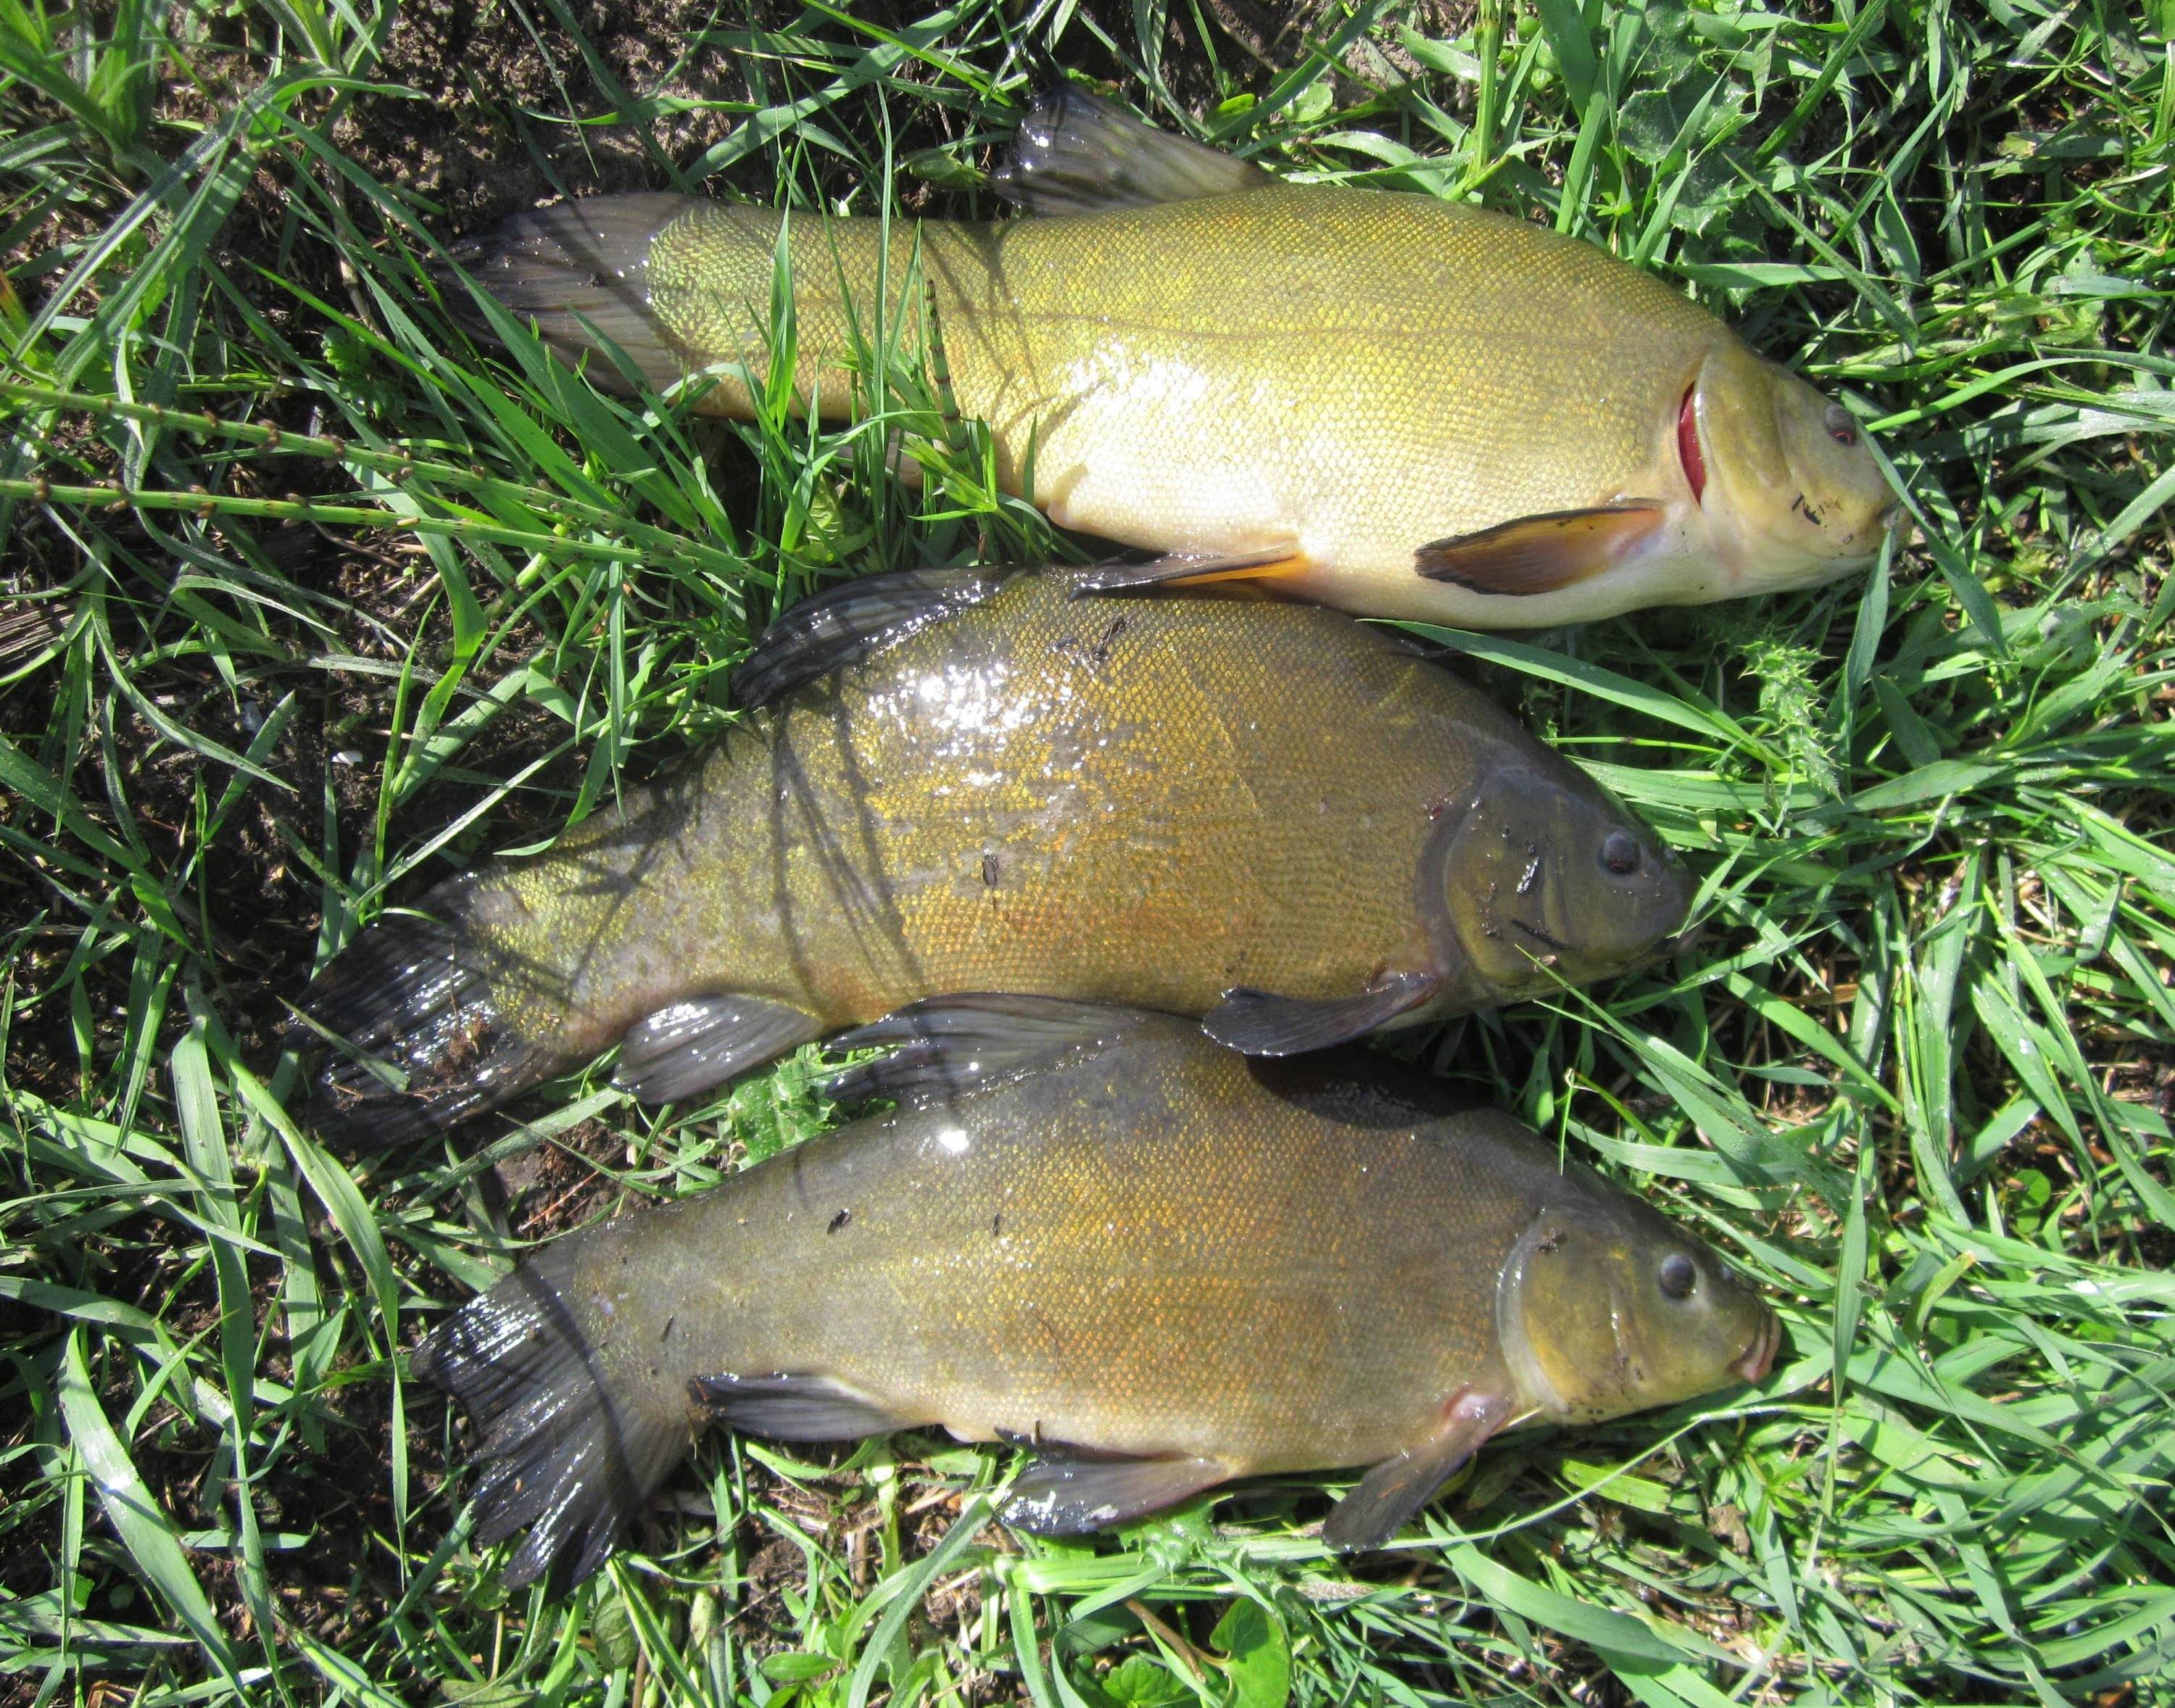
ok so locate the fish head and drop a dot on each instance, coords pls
(1546, 879)
(1793, 495)
(1605, 1306)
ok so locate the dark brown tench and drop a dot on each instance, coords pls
(1261, 812)
(1092, 1229)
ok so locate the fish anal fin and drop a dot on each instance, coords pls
(1075, 154)
(1067, 1492)
(1540, 554)
(789, 1407)
(1259, 1022)
(843, 624)
(690, 1046)
(1194, 569)
(947, 1046)
(1394, 1490)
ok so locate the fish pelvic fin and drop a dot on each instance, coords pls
(1540, 554)
(1075, 154)
(563, 1453)
(416, 1035)
(1070, 1491)
(579, 271)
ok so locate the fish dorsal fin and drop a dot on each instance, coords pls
(1074, 153)
(950, 1045)
(843, 624)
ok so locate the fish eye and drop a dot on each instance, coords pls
(1841, 428)
(1676, 1276)
(1620, 853)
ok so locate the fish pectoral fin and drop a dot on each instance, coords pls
(1192, 569)
(951, 1045)
(1259, 1022)
(843, 624)
(1068, 1491)
(1540, 554)
(693, 1045)
(1074, 153)
(1396, 1488)
(788, 1407)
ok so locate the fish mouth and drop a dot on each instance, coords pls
(1690, 938)
(1759, 1357)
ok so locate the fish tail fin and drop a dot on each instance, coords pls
(564, 1451)
(414, 1011)
(580, 271)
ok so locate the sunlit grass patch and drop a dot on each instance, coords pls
(310, 597)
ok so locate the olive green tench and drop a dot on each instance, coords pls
(1231, 806)
(1404, 406)
(1091, 1231)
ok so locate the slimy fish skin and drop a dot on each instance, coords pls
(1227, 806)
(1162, 1264)
(1402, 406)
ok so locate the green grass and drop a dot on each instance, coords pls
(259, 679)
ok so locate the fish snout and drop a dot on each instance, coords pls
(1759, 1357)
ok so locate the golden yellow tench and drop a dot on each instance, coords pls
(1400, 405)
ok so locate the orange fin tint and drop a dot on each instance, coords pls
(1540, 554)
(1189, 569)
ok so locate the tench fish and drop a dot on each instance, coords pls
(1092, 1231)
(1404, 406)
(1262, 812)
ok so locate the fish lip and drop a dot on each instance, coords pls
(1690, 938)
(1758, 1358)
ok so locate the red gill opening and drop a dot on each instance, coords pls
(1688, 445)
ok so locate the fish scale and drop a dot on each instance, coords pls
(1403, 405)
(1219, 325)
(1135, 1244)
(1111, 781)
(1155, 799)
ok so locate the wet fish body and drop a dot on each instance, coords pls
(1093, 1230)
(1405, 406)
(1261, 812)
